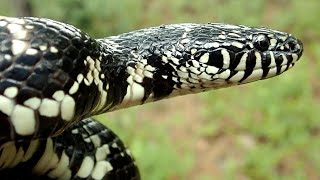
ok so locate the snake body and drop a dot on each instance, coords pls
(54, 78)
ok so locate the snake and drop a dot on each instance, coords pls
(55, 77)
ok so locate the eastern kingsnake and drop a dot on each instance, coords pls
(54, 77)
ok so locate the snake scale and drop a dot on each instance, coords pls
(55, 77)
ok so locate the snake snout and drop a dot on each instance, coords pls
(297, 47)
(291, 45)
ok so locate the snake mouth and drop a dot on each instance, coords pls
(256, 65)
(270, 65)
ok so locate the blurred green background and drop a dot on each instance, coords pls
(264, 130)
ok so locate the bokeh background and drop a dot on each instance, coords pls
(264, 130)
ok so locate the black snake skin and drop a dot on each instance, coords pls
(54, 77)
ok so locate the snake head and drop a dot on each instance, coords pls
(180, 59)
(237, 55)
(250, 54)
(222, 55)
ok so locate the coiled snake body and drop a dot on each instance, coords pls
(54, 77)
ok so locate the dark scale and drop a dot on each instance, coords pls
(266, 61)
(5, 46)
(48, 55)
(251, 62)
(4, 63)
(265, 72)
(279, 59)
(37, 81)
(5, 129)
(28, 60)
(4, 84)
(55, 75)
(236, 60)
(62, 42)
(250, 65)
(216, 58)
(17, 73)
(26, 93)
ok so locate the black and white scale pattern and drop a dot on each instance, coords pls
(53, 77)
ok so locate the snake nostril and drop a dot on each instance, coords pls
(293, 45)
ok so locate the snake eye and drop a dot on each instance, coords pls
(261, 42)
